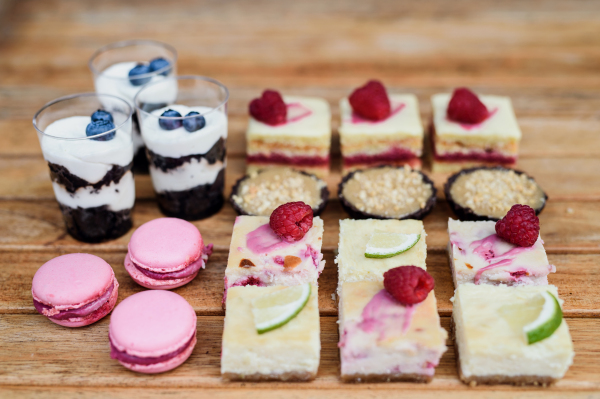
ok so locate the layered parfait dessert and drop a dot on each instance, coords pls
(289, 131)
(470, 130)
(186, 145)
(122, 68)
(378, 128)
(86, 140)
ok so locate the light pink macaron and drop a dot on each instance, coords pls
(166, 253)
(152, 331)
(75, 290)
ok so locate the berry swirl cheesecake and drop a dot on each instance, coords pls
(378, 128)
(470, 130)
(283, 249)
(289, 131)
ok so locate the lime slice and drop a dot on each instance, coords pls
(273, 310)
(385, 245)
(548, 320)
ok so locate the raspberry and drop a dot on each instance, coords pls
(291, 221)
(269, 108)
(520, 226)
(371, 101)
(466, 107)
(408, 284)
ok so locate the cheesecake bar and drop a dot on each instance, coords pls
(257, 256)
(302, 141)
(354, 236)
(395, 140)
(490, 342)
(383, 340)
(288, 353)
(455, 145)
(478, 255)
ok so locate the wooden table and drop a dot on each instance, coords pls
(545, 55)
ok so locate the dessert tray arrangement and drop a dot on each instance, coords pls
(507, 324)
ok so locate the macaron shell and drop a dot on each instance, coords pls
(163, 366)
(152, 323)
(166, 244)
(71, 280)
(151, 283)
(94, 316)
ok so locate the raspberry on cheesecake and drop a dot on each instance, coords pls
(289, 131)
(470, 130)
(378, 128)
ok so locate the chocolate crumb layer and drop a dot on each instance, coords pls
(487, 193)
(96, 224)
(259, 193)
(215, 154)
(72, 183)
(387, 192)
(196, 203)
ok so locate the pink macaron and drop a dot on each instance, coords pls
(75, 290)
(166, 253)
(152, 331)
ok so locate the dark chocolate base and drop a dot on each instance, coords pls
(316, 211)
(355, 213)
(96, 224)
(140, 162)
(464, 213)
(196, 203)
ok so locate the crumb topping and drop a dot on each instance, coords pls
(265, 190)
(493, 192)
(390, 192)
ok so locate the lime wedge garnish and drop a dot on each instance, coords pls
(273, 310)
(548, 320)
(385, 245)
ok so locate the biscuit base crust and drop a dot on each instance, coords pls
(291, 376)
(396, 377)
(517, 380)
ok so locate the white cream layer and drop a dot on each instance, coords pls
(88, 159)
(185, 177)
(179, 142)
(117, 196)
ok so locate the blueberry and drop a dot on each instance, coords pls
(193, 124)
(139, 69)
(170, 124)
(102, 115)
(158, 64)
(99, 127)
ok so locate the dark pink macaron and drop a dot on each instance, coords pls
(152, 331)
(166, 253)
(75, 290)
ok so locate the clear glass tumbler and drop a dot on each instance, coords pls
(86, 140)
(185, 140)
(122, 68)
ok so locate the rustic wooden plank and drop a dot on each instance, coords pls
(37, 352)
(576, 277)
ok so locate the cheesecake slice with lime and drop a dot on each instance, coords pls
(383, 244)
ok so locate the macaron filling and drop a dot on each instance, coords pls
(124, 357)
(83, 311)
(191, 269)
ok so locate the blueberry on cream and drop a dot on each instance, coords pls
(193, 124)
(95, 128)
(170, 124)
(160, 63)
(139, 69)
(102, 115)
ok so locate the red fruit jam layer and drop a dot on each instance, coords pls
(488, 155)
(276, 158)
(146, 361)
(394, 154)
(83, 311)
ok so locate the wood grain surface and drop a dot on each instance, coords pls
(545, 55)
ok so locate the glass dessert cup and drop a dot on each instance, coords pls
(186, 153)
(110, 66)
(91, 175)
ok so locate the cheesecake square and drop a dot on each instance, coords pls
(354, 236)
(455, 146)
(383, 340)
(288, 353)
(396, 140)
(257, 256)
(477, 255)
(302, 142)
(490, 342)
